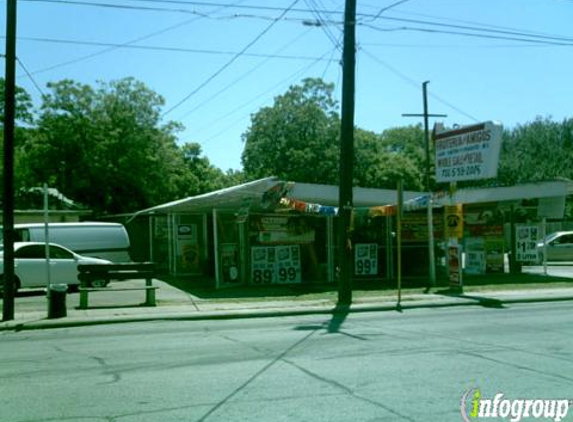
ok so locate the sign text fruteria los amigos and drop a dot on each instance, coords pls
(468, 153)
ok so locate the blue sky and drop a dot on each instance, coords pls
(218, 62)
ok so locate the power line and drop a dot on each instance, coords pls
(391, 6)
(30, 76)
(247, 73)
(566, 42)
(322, 24)
(293, 76)
(481, 28)
(233, 59)
(163, 48)
(416, 84)
(478, 29)
(127, 43)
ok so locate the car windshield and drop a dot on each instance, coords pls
(550, 237)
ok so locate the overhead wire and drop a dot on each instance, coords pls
(36, 85)
(478, 28)
(292, 77)
(249, 72)
(125, 44)
(320, 22)
(111, 48)
(546, 41)
(233, 59)
(162, 48)
(363, 18)
(386, 8)
(415, 84)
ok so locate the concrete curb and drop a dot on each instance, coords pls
(455, 301)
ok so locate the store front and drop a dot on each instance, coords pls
(272, 232)
(244, 235)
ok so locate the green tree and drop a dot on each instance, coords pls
(24, 120)
(23, 106)
(104, 147)
(198, 175)
(539, 150)
(296, 138)
(382, 160)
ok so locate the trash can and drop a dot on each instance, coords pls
(57, 301)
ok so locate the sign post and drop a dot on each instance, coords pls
(465, 153)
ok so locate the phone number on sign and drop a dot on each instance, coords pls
(466, 171)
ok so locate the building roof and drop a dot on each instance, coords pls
(547, 189)
(251, 194)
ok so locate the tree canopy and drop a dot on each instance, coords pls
(298, 138)
(107, 147)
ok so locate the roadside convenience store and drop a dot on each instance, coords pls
(271, 231)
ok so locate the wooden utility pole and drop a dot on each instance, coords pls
(8, 199)
(426, 116)
(345, 200)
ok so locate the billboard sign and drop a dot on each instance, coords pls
(468, 153)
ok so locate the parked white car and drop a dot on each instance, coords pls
(30, 265)
(559, 246)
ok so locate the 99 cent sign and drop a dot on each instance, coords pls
(275, 264)
(366, 259)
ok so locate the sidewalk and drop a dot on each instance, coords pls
(174, 304)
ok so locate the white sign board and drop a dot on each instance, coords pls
(366, 259)
(275, 264)
(526, 240)
(475, 262)
(468, 153)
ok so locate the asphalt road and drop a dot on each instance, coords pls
(414, 366)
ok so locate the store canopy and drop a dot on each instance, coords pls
(539, 190)
(257, 196)
(251, 195)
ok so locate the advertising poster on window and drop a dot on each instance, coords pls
(454, 266)
(494, 260)
(475, 256)
(275, 264)
(282, 229)
(526, 242)
(187, 248)
(228, 255)
(366, 259)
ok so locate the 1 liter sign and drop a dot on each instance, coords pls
(468, 153)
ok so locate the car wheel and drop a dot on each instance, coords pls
(98, 283)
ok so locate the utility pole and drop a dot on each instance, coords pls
(8, 200)
(345, 200)
(426, 117)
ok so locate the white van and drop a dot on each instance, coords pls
(99, 240)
